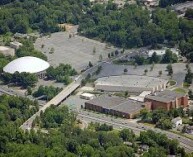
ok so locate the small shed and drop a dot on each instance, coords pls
(87, 96)
(176, 122)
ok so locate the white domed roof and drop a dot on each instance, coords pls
(26, 64)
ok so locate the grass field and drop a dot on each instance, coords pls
(180, 90)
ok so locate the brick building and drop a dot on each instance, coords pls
(116, 106)
(167, 100)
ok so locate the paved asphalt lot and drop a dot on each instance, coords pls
(109, 69)
(76, 51)
(183, 6)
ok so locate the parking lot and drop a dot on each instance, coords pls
(75, 50)
(74, 102)
(178, 71)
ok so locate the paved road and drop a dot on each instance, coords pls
(27, 125)
(186, 143)
(55, 101)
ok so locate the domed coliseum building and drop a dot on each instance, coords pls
(27, 64)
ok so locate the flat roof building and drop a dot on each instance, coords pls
(161, 52)
(116, 106)
(87, 96)
(132, 83)
(15, 45)
(7, 51)
(167, 100)
(176, 122)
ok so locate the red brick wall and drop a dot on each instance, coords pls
(148, 105)
(157, 105)
(181, 102)
(185, 101)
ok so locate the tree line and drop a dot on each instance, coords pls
(20, 79)
(133, 26)
(44, 16)
(161, 118)
(46, 92)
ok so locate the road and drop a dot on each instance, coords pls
(55, 101)
(183, 6)
(27, 125)
(186, 143)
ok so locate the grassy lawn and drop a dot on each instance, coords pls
(184, 135)
(120, 94)
(186, 85)
(149, 124)
(172, 82)
(180, 90)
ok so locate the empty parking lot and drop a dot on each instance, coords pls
(76, 51)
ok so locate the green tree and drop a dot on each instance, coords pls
(126, 94)
(164, 123)
(125, 70)
(169, 57)
(29, 90)
(160, 73)
(90, 64)
(100, 57)
(154, 58)
(127, 135)
(145, 115)
(189, 13)
(139, 60)
(157, 115)
(169, 69)
(155, 152)
(145, 72)
(190, 94)
(94, 50)
(189, 76)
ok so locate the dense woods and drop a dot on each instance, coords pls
(133, 26)
(26, 15)
(127, 27)
(65, 138)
